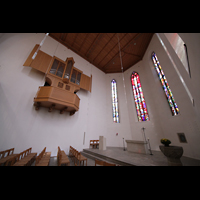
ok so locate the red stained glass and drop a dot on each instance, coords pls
(140, 103)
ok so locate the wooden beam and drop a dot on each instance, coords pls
(63, 36)
(121, 50)
(132, 54)
(65, 43)
(111, 50)
(74, 39)
(92, 45)
(104, 46)
(87, 34)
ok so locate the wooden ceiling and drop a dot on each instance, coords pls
(102, 49)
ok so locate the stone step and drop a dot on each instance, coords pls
(93, 157)
(97, 156)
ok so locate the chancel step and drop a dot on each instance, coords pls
(98, 156)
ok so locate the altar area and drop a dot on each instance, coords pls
(136, 146)
(124, 158)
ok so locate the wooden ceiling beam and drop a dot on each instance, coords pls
(132, 54)
(92, 45)
(111, 50)
(87, 34)
(74, 39)
(104, 46)
(65, 43)
(108, 51)
(121, 50)
(63, 36)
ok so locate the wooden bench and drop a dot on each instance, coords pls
(43, 158)
(62, 158)
(103, 163)
(6, 155)
(80, 158)
(77, 156)
(94, 143)
(72, 153)
(25, 158)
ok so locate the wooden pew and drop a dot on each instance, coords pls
(109, 164)
(6, 155)
(62, 158)
(81, 158)
(99, 162)
(91, 143)
(77, 156)
(25, 158)
(72, 153)
(103, 163)
(94, 143)
(43, 158)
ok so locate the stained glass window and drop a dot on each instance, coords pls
(140, 103)
(114, 101)
(166, 88)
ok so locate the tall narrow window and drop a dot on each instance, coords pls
(140, 104)
(114, 101)
(172, 104)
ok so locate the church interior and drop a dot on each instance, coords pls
(65, 95)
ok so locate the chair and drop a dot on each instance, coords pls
(25, 158)
(43, 158)
(99, 162)
(91, 143)
(97, 143)
(109, 164)
(103, 163)
(81, 158)
(6, 155)
(62, 158)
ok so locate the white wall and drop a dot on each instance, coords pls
(122, 128)
(21, 126)
(162, 124)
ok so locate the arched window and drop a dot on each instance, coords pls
(140, 104)
(115, 107)
(172, 104)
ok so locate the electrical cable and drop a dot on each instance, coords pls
(122, 68)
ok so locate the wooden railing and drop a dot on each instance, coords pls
(57, 95)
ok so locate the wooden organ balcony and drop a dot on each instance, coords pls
(56, 98)
(62, 82)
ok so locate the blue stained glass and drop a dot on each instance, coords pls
(114, 101)
(166, 88)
